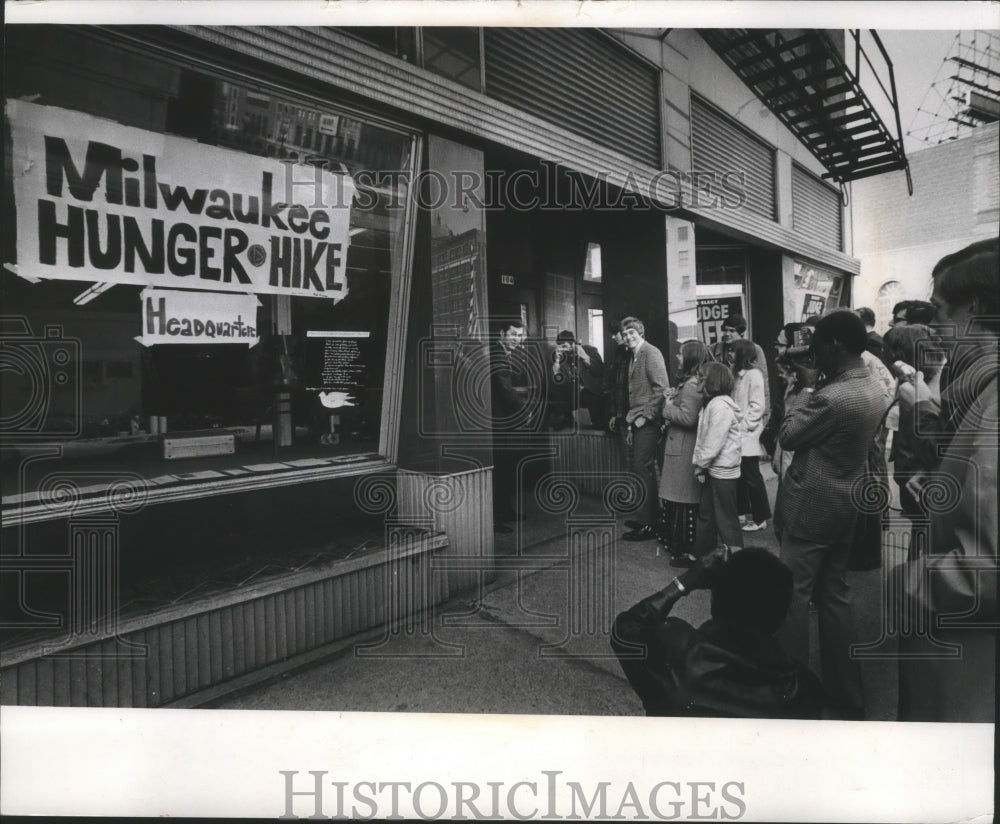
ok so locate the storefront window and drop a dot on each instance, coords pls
(817, 290)
(212, 262)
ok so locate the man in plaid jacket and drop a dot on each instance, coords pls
(829, 426)
(647, 378)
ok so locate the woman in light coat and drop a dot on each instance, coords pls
(679, 490)
(749, 395)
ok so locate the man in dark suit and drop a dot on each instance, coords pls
(646, 381)
(509, 392)
(829, 426)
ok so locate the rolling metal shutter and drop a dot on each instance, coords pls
(581, 81)
(720, 145)
(816, 212)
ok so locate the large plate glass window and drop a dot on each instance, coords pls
(198, 269)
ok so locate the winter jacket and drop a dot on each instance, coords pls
(717, 447)
(677, 481)
(749, 395)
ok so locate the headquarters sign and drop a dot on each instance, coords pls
(98, 201)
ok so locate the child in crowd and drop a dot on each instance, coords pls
(717, 464)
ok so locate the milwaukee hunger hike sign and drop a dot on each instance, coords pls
(98, 201)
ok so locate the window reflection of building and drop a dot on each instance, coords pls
(682, 287)
(456, 266)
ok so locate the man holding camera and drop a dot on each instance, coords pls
(829, 425)
(577, 373)
(730, 666)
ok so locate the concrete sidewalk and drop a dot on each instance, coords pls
(528, 642)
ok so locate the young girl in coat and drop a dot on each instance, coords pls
(749, 395)
(717, 453)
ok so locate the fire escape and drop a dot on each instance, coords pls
(804, 79)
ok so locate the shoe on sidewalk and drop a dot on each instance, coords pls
(683, 561)
(751, 526)
(645, 533)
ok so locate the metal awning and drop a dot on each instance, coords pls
(803, 78)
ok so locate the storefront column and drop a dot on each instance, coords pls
(783, 187)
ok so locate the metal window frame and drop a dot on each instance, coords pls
(392, 388)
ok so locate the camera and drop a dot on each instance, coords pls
(40, 383)
(801, 341)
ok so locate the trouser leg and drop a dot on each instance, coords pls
(725, 494)
(819, 572)
(644, 442)
(760, 508)
(841, 672)
(707, 531)
(803, 558)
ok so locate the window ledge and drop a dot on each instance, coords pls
(35, 507)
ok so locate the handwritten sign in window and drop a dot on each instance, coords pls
(338, 362)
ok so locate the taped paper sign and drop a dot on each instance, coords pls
(337, 366)
(98, 201)
(169, 316)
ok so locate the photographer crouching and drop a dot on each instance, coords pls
(730, 666)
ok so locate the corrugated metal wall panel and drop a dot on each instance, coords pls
(579, 80)
(597, 457)
(211, 646)
(816, 209)
(720, 145)
(461, 506)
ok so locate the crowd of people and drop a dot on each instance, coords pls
(847, 403)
